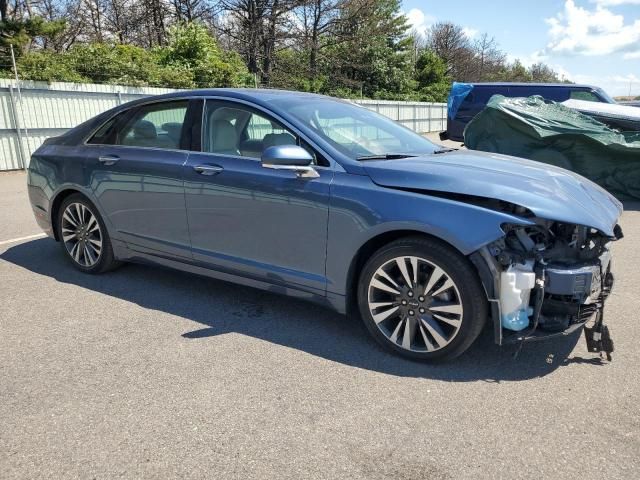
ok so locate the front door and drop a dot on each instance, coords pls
(248, 220)
(137, 167)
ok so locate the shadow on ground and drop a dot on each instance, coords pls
(220, 308)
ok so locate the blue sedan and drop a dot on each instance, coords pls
(321, 199)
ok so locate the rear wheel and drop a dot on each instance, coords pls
(83, 235)
(420, 298)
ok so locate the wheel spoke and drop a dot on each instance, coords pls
(396, 332)
(414, 266)
(79, 214)
(427, 342)
(435, 331)
(433, 279)
(92, 224)
(402, 265)
(453, 308)
(381, 286)
(379, 317)
(75, 252)
(386, 276)
(445, 286)
(68, 218)
(89, 260)
(454, 322)
(409, 332)
(95, 244)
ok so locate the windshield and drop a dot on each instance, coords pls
(355, 131)
(605, 95)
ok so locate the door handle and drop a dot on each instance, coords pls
(208, 169)
(108, 159)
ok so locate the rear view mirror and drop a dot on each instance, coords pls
(289, 157)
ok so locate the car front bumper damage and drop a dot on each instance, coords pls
(565, 298)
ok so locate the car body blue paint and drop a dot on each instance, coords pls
(551, 193)
(298, 236)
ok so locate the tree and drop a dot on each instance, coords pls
(431, 75)
(451, 44)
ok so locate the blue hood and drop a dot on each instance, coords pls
(551, 193)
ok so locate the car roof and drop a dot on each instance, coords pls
(531, 84)
(264, 94)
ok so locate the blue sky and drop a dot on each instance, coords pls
(588, 41)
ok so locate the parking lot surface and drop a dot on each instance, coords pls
(151, 373)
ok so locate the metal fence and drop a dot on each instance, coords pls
(39, 110)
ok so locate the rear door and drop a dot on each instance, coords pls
(136, 168)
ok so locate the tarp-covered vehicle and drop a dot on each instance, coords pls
(552, 133)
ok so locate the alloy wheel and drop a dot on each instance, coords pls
(415, 304)
(81, 234)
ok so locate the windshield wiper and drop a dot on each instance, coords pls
(444, 150)
(385, 156)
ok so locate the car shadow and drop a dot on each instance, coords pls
(220, 308)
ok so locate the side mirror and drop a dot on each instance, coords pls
(289, 157)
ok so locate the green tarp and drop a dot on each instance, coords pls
(551, 133)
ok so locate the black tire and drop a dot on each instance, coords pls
(105, 260)
(467, 292)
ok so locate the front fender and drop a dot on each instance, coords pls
(361, 210)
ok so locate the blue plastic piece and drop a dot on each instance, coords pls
(516, 321)
(458, 93)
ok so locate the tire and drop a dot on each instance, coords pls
(83, 235)
(440, 315)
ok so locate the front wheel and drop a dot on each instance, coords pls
(420, 298)
(84, 236)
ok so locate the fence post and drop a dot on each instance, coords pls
(415, 118)
(26, 133)
(16, 122)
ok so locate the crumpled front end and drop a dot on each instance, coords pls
(549, 279)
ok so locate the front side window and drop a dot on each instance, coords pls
(584, 95)
(158, 125)
(239, 131)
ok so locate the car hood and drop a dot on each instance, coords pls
(549, 192)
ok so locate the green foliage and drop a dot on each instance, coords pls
(431, 76)
(191, 59)
(192, 47)
(19, 33)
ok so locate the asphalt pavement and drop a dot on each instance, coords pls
(150, 373)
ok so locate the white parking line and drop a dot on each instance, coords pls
(20, 239)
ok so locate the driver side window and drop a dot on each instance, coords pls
(238, 131)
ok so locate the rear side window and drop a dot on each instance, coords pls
(153, 126)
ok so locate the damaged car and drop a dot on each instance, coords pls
(321, 199)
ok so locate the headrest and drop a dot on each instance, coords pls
(224, 138)
(144, 129)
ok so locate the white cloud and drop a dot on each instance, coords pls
(419, 21)
(614, 85)
(469, 32)
(615, 3)
(579, 31)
